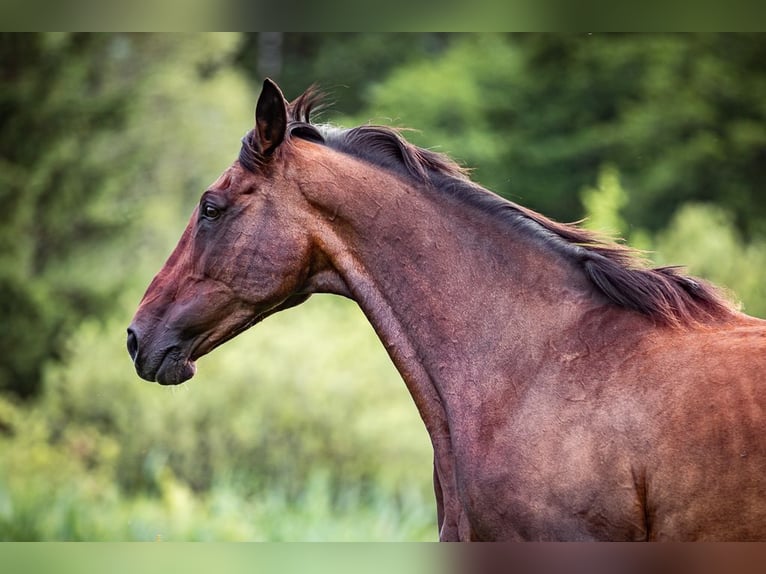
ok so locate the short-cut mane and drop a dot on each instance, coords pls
(664, 294)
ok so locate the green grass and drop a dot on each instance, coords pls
(222, 514)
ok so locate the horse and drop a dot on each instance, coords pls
(570, 390)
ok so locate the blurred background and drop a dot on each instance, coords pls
(300, 429)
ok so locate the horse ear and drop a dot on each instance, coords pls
(270, 117)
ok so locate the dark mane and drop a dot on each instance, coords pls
(618, 272)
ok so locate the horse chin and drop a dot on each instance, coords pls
(173, 371)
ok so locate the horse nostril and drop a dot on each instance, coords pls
(132, 344)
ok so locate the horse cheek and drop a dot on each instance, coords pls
(274, 270)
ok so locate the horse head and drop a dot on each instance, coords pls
(245, 254)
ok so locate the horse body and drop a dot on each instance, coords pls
(562, 401)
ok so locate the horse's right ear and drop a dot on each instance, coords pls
(270, 117)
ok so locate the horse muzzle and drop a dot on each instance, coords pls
(165, 364)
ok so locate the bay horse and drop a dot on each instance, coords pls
(570, 391)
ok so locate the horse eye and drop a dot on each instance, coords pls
(210, 211)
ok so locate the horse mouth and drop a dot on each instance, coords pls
(178, 366)
(173, 361)
(174, 370)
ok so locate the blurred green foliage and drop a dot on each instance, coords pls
(92, 129)
(683, 117)
(56, 113)
(284, 446)
(301, 429)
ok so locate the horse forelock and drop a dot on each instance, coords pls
(313, 99)
(249, 156)
(618, 272)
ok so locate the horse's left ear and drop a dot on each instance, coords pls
(270, 117)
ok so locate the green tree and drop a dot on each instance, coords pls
(91, 126)
(681, 116)
(59, 188)
(346, 65)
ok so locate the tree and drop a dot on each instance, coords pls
(682, 117)
(56, 177)
(90, 126)
(345, 65)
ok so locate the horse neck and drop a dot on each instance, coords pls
(458, 297)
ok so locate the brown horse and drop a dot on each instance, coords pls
(570, 392)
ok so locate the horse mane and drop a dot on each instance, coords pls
(620, 273)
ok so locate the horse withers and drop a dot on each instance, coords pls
(570, 392)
